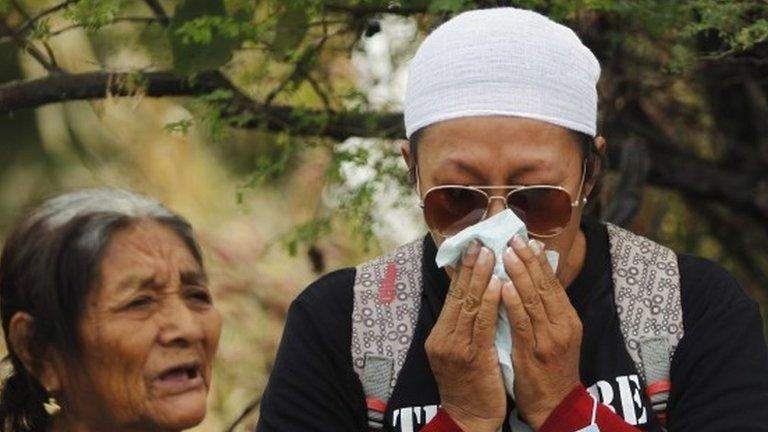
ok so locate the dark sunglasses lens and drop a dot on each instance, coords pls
(545, 211)
(451, 209)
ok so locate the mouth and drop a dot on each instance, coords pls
(180, 378)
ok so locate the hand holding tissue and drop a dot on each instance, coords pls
(495, 234)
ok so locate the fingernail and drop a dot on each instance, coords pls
(518, 241)
(485, 254)
(509, 287)
(534, 245)
(512, 255)
(474, 248)
(471, 253)
(495, 283)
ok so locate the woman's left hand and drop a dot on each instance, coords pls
(546, 331)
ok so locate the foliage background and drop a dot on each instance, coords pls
(272, 124)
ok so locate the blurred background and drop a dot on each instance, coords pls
(273, 126)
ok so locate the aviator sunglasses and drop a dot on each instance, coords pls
(545, 209)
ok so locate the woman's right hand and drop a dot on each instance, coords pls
(460, 346)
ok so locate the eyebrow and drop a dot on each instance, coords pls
(194, 277)
(479, 174)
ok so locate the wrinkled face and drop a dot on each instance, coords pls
(495, 151)
(149, 336)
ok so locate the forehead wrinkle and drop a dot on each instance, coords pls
(150, 257)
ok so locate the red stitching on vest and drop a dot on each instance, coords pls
(387, 287)
(375, 404)
(658, 387)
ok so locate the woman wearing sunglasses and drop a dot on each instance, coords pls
(501, 114)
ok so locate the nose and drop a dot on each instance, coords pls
(180, 325)
(496, 204)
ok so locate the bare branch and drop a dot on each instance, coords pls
(22, 29)
(159, 11)
(301, 69)
(628, 194)
(48, 64)
(364, 9)
(729, 230)
(20, 9)
(138, 20)
(319, 91)
(247, 411)
(95, 85)
(51, 55)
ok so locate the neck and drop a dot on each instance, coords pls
(69, 423)
(575, 260)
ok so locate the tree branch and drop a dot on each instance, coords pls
(688, 174)
(138, 20)
(95, 85)
(365, 9)
(730, 234)
(20, 9)
(48, 64)
(628, 194)
(159, 12)
(22, 29)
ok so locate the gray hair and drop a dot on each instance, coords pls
(58, 211)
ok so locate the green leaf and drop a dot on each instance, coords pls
(94, 14)
(196, 39)
(451, 6)
(290, 30)
(751, 35)
(41, 30)
(306, 234)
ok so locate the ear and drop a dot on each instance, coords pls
(405, 150)
(39, 362)
(601, 147)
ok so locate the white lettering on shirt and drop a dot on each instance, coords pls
(407, 418)
(623, 392)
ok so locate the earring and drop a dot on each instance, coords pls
(52, 407)
(584, 201)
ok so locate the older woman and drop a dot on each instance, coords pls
(501, 115)
(108, 318)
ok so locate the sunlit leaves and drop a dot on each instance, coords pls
(751, 35)
(307, 233)
(291, 28)
(451, 6)
(41, 30)
(203, 36)
(95, 14)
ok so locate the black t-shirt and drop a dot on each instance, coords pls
(719, 372)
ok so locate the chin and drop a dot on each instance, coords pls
(182, 412)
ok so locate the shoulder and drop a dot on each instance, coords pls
(321, 316)
(706, 288)
(336, 285)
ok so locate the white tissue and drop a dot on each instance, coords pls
(494, 233)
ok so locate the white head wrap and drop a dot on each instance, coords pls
(503, 61)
